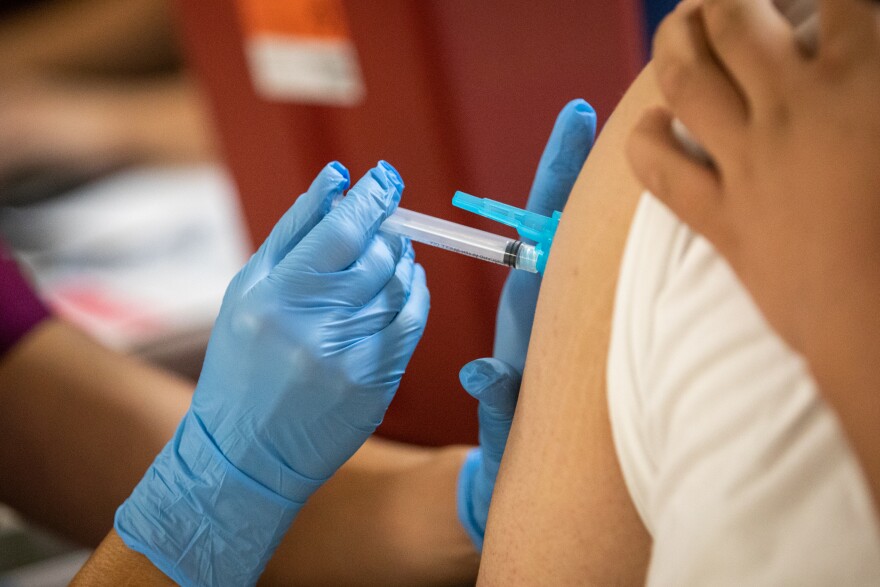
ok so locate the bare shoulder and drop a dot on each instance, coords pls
(561, 511)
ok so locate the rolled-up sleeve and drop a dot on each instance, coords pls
(740, 471)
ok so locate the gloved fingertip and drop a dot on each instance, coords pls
(476, 376)
(386, 186)
(581, 106)
(493, 382)
(579, 110)
(328, 187)
(393, 174)
(343, 172)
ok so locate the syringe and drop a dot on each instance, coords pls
(477, 243)
(480, 244)
(459, 238)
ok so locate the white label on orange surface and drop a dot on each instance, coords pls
(301, 51)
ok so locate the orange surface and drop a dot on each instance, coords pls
(321, 19)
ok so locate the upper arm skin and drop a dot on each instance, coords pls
(561, 512)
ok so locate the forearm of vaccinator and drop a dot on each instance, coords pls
(113, 563)
(78, 428)
(388, 517)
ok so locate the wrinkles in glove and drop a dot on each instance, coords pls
(313, 337)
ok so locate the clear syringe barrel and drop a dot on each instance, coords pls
(458, 238)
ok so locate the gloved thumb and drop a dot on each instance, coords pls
(494, 383)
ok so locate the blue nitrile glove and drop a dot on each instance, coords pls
(312, 339)
(495, 382)
(564, 156)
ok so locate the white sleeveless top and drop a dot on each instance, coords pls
(738, 469)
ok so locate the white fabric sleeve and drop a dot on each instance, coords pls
(739, 470)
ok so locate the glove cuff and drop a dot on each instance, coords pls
(469, 515)
(198, 518)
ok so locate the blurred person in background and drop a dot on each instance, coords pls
(90, 86)
(109, 187)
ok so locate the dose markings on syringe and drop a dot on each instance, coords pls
(467, 253)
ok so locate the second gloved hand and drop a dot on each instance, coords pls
(564, 155)
(495, 382)
(496, 385)
(313, 337)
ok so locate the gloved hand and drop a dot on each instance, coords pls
(564, 156)
(313, 337)
(495, 382)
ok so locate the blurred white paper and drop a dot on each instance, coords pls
(139, 259)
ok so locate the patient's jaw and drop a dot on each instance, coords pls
(561, 513)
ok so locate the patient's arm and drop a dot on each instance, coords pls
(561, 513)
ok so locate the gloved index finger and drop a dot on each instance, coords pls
(342, 236)
(567, 149)
(307, 211)
(300, 218)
